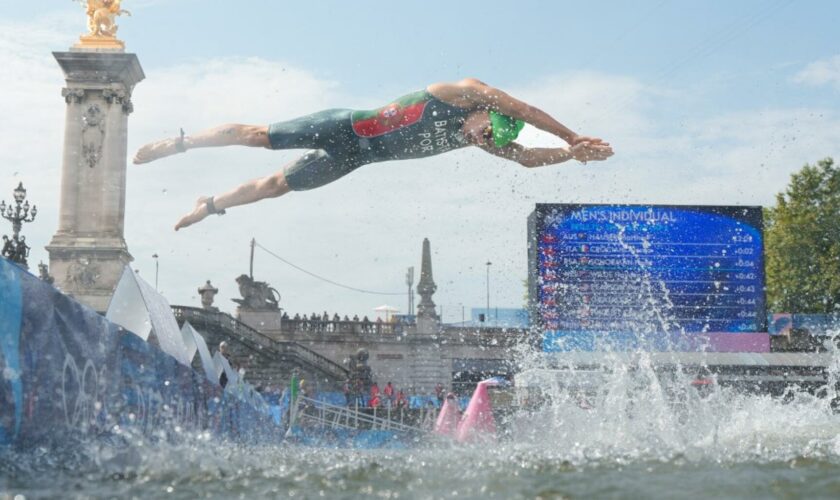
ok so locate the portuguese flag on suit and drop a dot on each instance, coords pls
(403, 112)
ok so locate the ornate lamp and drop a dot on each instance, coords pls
(20, 193)
(16, 249)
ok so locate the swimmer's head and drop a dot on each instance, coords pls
(505, 129)
(491, 128)
(477, 128)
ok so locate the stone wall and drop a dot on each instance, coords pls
(411, 360)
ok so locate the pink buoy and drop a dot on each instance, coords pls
(478, 423)
(447, 421)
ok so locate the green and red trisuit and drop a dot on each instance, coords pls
(414, 126)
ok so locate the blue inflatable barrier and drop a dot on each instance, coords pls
(68, 373)
(333, 398)
(418, 402)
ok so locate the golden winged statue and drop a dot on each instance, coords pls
(101, 17)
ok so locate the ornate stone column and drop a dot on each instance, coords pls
(427, 318)
(88, 252)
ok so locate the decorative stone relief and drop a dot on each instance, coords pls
(119, 96)
(82, 274)
(73, 95)
(93, 135)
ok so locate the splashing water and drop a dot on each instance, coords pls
(636, 434)
(635, 415)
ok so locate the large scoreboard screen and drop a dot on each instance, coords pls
(630, 274)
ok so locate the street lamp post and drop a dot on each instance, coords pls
(409, 280)
(16, 249)
(157, 270)
(487, 313)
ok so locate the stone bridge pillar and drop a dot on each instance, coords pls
(88, 252)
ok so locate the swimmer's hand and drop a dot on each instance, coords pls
(587, 151)
(577, 139)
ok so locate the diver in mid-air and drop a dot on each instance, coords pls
(443, 117)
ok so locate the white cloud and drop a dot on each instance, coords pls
(823, 72)
(365, 229)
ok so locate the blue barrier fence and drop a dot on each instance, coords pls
(69, 373)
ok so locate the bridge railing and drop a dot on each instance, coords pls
(197, 317)
(351, 418)
(313, 329)
(318, 326)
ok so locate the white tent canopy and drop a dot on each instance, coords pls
(388, 310)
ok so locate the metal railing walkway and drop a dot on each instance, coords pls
(345, 417)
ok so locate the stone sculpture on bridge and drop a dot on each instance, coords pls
(256, 295)
(208, 293)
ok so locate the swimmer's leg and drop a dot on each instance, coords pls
(314, 169)
(272, 186)
(232, 134)
(318, 168)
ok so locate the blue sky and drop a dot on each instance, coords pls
(386, 44)
(706, 102)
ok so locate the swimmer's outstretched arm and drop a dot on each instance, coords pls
(472, 92)
(540, 157)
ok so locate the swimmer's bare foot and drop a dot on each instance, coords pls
(199, 213)
(160, 149)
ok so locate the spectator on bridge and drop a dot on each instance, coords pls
(402, 400)
(346, 390)
(356, 318)
(365, 325)
(306, 405)
(285, 316)
(223, 379)
(346, 319)
(388, 392)
(313, 322)
(297, 317)
(439, 393)
(374, 391)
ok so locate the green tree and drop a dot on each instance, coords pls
(802, 242)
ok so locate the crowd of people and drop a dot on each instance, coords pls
(385, 397)
(324, 323)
